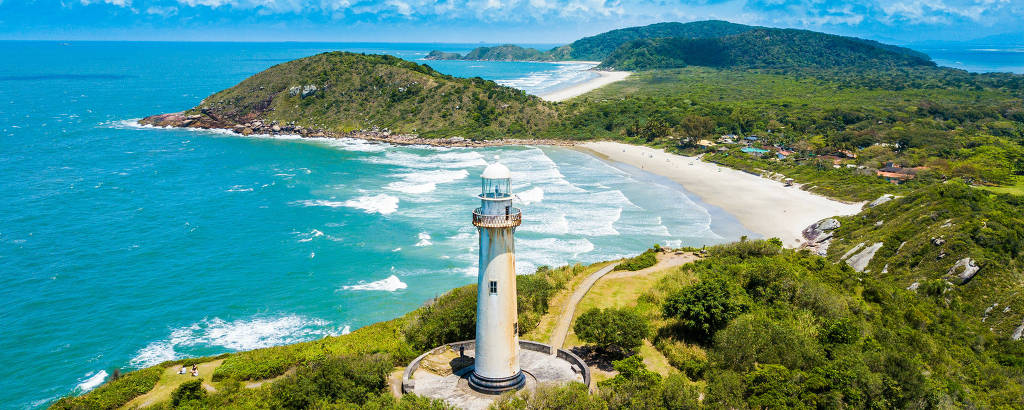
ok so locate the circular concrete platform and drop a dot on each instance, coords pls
(540, 364)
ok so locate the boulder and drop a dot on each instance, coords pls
(1018, 332)
(815, 232)
(938, 241)
(964, 269)
(881, 200)
(861, 260)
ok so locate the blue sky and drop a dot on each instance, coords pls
(521, 21)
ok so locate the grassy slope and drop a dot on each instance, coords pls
(358, 92)
(971, 223)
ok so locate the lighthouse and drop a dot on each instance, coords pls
(496, 365)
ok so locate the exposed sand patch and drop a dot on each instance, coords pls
(604, 78)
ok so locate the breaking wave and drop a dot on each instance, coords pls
(242, 334)
(391, 284)
(92, 380)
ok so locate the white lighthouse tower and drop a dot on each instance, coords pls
(496, 365)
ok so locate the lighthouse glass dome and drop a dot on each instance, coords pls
(495, 188)
(495, 182)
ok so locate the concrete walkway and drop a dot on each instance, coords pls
(562, 328)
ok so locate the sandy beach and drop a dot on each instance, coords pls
(762, 205)
(604, 78)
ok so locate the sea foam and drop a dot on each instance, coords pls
(92, 380)
(421, 182)
(382, 203)
(241, 334)
(424, 239)
(391, 284)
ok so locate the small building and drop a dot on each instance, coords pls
(727, 139)
(896, 174)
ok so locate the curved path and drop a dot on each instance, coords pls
(562, 327)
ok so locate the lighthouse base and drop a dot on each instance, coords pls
(496, 386)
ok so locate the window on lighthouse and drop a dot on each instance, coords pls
(494, 287)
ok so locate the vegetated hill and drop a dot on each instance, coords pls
(507, 52)
(961, 244)
(763, 48)
(345, 92)
(596, 48)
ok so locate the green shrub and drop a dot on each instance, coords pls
(115, 393)
(188, 391)
(692, 361)
(641, 261)
(706, 306)
(757, 338)
(345, 379)
(450, 318)
(610, 328)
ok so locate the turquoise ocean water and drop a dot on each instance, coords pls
(123, 246)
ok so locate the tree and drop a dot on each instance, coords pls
(188, 391)
(612, 328)
(696, 127)
(705, 307)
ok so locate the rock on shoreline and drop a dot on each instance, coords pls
(257, 126)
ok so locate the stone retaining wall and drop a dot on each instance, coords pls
(578, 365)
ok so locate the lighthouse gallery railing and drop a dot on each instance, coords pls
(513, 218)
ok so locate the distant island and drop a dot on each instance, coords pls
(911, 295)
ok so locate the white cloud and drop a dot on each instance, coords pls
(162, 11)
(119, 3)
(401, 7)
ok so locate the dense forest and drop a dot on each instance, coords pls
(507, 52)
(598, 47)
(763, 48)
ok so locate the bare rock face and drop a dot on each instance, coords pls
(964, 269)
(881, 200)
(821, 230)
(860, 260)
(1018, 332)
(303, 91)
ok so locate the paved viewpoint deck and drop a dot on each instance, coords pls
(539, 367)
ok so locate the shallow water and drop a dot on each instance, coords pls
(124, 246)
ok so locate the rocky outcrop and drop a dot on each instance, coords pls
(964, 270)
(1018, 332)
(881, 200)
(821, 230)
(303, 91)
(860, 260)
(206, 120)
(819, 235)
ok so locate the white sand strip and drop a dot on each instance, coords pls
(604, 78)
(762, 205)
